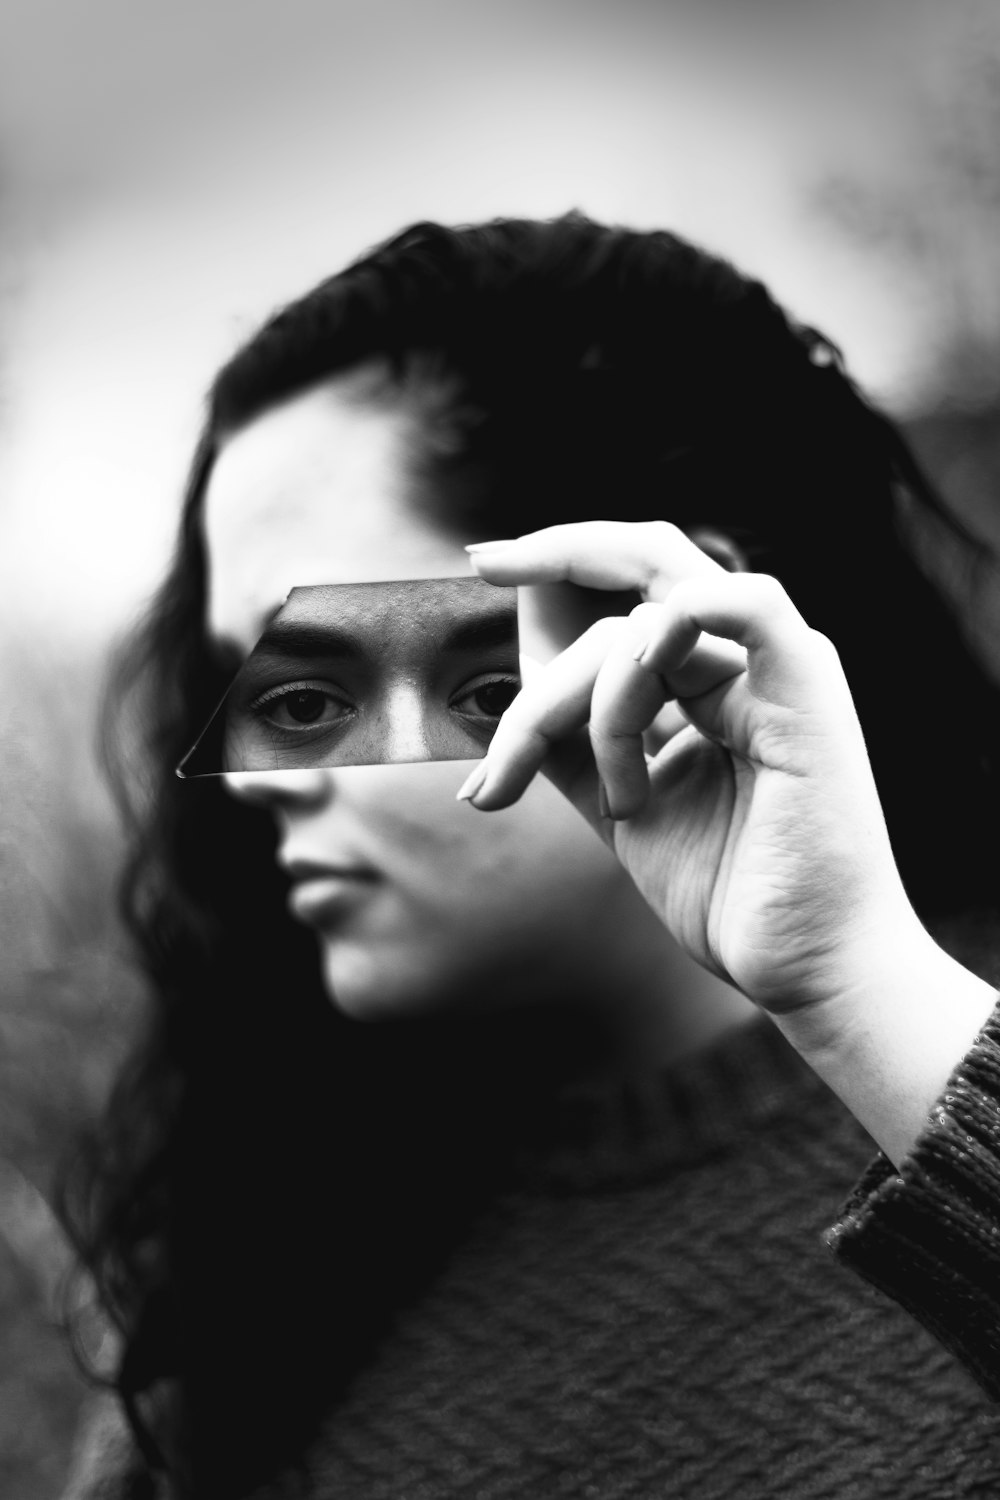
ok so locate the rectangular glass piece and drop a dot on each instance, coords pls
(359, 674)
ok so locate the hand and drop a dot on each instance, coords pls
(756, 832)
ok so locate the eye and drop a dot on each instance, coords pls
(487, 697)
(301, 706)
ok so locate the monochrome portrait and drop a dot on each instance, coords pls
(500, 727)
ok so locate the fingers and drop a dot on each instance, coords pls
(627, 697)
(554, 703)
(624, 702)
(595, 684)
(789, 664)
(648, 556)
(731, 647)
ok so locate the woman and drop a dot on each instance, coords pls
(552, 1225)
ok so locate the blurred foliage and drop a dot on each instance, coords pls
(920, 190)
(67, 1002)
(930, 208)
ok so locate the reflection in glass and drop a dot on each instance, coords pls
(367, 673)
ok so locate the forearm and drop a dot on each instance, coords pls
(889, 1042)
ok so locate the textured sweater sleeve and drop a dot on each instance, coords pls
(928, 1235)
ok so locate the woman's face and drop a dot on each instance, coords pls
(416, 898)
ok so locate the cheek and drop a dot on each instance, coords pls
(519, 866)
(469, 897)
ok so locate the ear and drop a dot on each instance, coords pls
(721, 548)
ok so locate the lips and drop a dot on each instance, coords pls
(321, 892)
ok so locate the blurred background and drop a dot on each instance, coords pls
(168, 175)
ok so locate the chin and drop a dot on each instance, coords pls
(364, 989)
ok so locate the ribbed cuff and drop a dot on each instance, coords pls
(929, 1235)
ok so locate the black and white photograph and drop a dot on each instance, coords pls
(367, 674)
(500, 730)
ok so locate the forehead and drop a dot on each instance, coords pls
(409, 623)
(317, 490)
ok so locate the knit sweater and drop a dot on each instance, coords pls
(650, 1308)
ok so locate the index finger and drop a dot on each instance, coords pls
(646, 556)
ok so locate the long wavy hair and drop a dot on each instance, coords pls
(271, 1180)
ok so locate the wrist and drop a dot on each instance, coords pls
(888, 1038)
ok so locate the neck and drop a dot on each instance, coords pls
(658, 1003)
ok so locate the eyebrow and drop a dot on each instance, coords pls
(300, 638)
(499, 628)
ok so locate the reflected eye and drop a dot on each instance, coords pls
(487, 697)
(300, 706)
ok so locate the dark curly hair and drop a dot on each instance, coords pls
(271, 1180)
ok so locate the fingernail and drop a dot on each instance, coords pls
(491, 546)
(640, 651)
(472, 783)
(602, 800)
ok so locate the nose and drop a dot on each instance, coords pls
(401, 731)
(307, 789)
